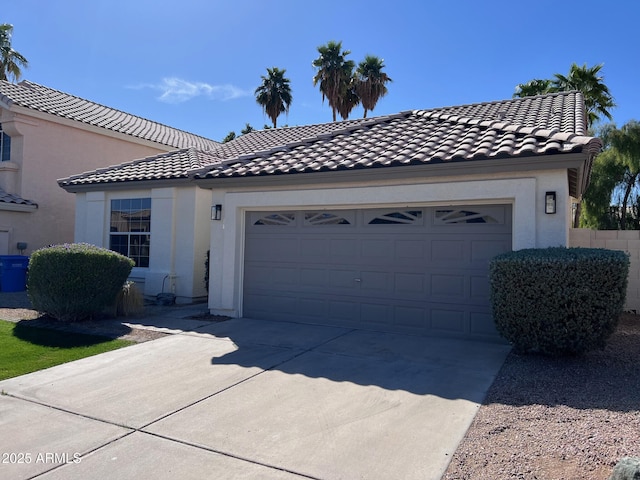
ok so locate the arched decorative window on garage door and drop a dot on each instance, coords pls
(275, 219)
(314, 219)
(394, 217)
(453, 216)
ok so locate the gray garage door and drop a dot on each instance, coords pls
(417, 269)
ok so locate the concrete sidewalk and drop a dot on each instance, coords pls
(249, 399)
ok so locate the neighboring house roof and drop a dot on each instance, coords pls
(47, 100)
(523, 127)
(10, 201)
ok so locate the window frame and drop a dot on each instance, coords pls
(5, 146)
(130, 235)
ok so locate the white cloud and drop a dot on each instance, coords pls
(177, 90)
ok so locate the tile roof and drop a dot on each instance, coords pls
(15, 199)
(261, 140)
(527, 127)
(531, 126)
(47, 100)
(164, 166)
(563, 112)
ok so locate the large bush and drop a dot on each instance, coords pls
(75, 281)
(558, 301)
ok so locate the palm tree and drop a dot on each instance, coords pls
(533, 87)
(274, 94)
(588, 81)
(333, 74)
(371, 82)
(10, 60)
(348, 98)
(597, 98)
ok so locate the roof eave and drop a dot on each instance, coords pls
(556, 161)
(126, 185)
(18, 207)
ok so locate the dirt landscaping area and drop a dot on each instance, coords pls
(558, 418)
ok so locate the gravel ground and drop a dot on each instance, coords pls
(558, 418)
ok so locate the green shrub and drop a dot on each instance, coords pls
(75, 281)
(558, 301)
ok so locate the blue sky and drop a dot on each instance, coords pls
(194, 64)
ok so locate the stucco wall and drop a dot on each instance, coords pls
(180, 218)
(43, 151)
(625, 240)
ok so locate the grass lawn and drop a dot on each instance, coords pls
(26, 349)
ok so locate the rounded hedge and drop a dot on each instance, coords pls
(75, 281)
(558, 301)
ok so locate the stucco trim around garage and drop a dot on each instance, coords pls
(227, 236)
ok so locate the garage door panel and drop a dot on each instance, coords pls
(343, 279)
(259, 274)
(274, 249)
(422, 269)
(448, 250)
(376, 314)
(284, 276)
(480, 288)
(270, 275)
(450, 285)
(314, 307)
(313, 277)
(314, 248)
(271, 303)
(412, 250)
(410, 284)
(482, 324)
(449, 321)
(485, 250)
(344, 310)
(379, 250)
(343, 248)
(372, 281)
(412, 317)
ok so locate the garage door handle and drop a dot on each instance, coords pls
(357, 279)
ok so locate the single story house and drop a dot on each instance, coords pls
(45, 134)
(385, 222)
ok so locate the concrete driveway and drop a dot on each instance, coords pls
(249, 399)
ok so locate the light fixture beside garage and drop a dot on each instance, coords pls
(550, 202)
(216, 212)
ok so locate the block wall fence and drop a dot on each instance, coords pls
(625, 240)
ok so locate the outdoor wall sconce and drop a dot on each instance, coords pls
(550, 202)
(216, 212)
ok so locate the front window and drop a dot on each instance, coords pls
(5, 146)
(131, 229)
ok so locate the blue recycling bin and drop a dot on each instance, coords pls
(13, 273)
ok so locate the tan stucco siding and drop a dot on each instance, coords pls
(180, 229)
(45, 151)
